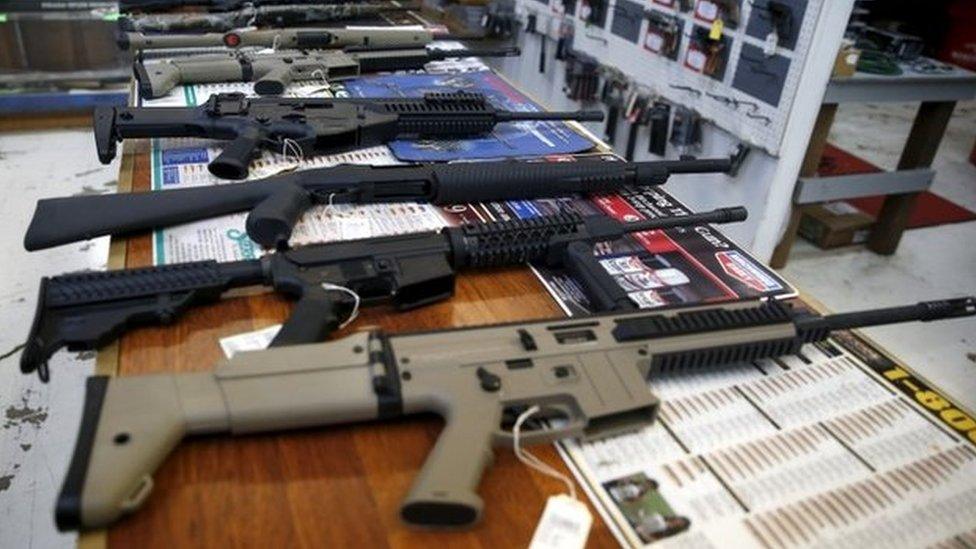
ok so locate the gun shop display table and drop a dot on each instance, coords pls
(342, 486)
(334, 487)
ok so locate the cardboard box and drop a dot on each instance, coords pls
(834, 224)
(846, 63)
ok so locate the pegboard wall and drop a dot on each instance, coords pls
(740, 102)
(737, 63)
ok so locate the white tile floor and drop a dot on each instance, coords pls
(931, 262)
(39, 422)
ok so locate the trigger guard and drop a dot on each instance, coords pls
(574, 426)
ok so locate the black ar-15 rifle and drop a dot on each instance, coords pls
(308, 126)
(87, 310)
(276, 203)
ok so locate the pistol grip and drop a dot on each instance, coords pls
(443, 496)
(270, 222)
(235, 160)
(312, 320)
(274, 82)
(128, 428)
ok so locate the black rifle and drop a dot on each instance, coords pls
(87, 310)
(127, 6)
(276, 203)
(308, 126)
(285, 15)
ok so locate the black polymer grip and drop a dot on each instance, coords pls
(488, 181)
(504, 243)
(234, 160)
(314, 317)
(270, 223)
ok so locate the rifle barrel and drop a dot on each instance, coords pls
(924, 311)
(720, 215)
(696, 165)
(436, 53)
(582, 116)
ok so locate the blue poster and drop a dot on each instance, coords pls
(508, 139)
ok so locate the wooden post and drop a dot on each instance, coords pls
(923, 143)
(818, 141)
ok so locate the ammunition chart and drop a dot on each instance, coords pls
(817, 448)
(724, 59)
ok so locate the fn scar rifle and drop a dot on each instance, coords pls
(591, 372)
(272, 72)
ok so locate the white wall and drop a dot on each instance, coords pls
(764, 183)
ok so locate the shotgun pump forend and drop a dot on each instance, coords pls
(87, 310)
(286, 15)
(592, 372)
(276, 203)
(272, 72)
(312, 126)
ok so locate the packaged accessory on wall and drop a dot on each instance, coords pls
(612, 95)
(686, 130)
(659, 117)
(663, 34)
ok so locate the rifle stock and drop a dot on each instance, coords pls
(59, 221)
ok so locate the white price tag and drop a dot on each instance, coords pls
(257, 340)
(654, 42)
(769, 46)
(565, 524)
(706, 11)
(696, 59)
